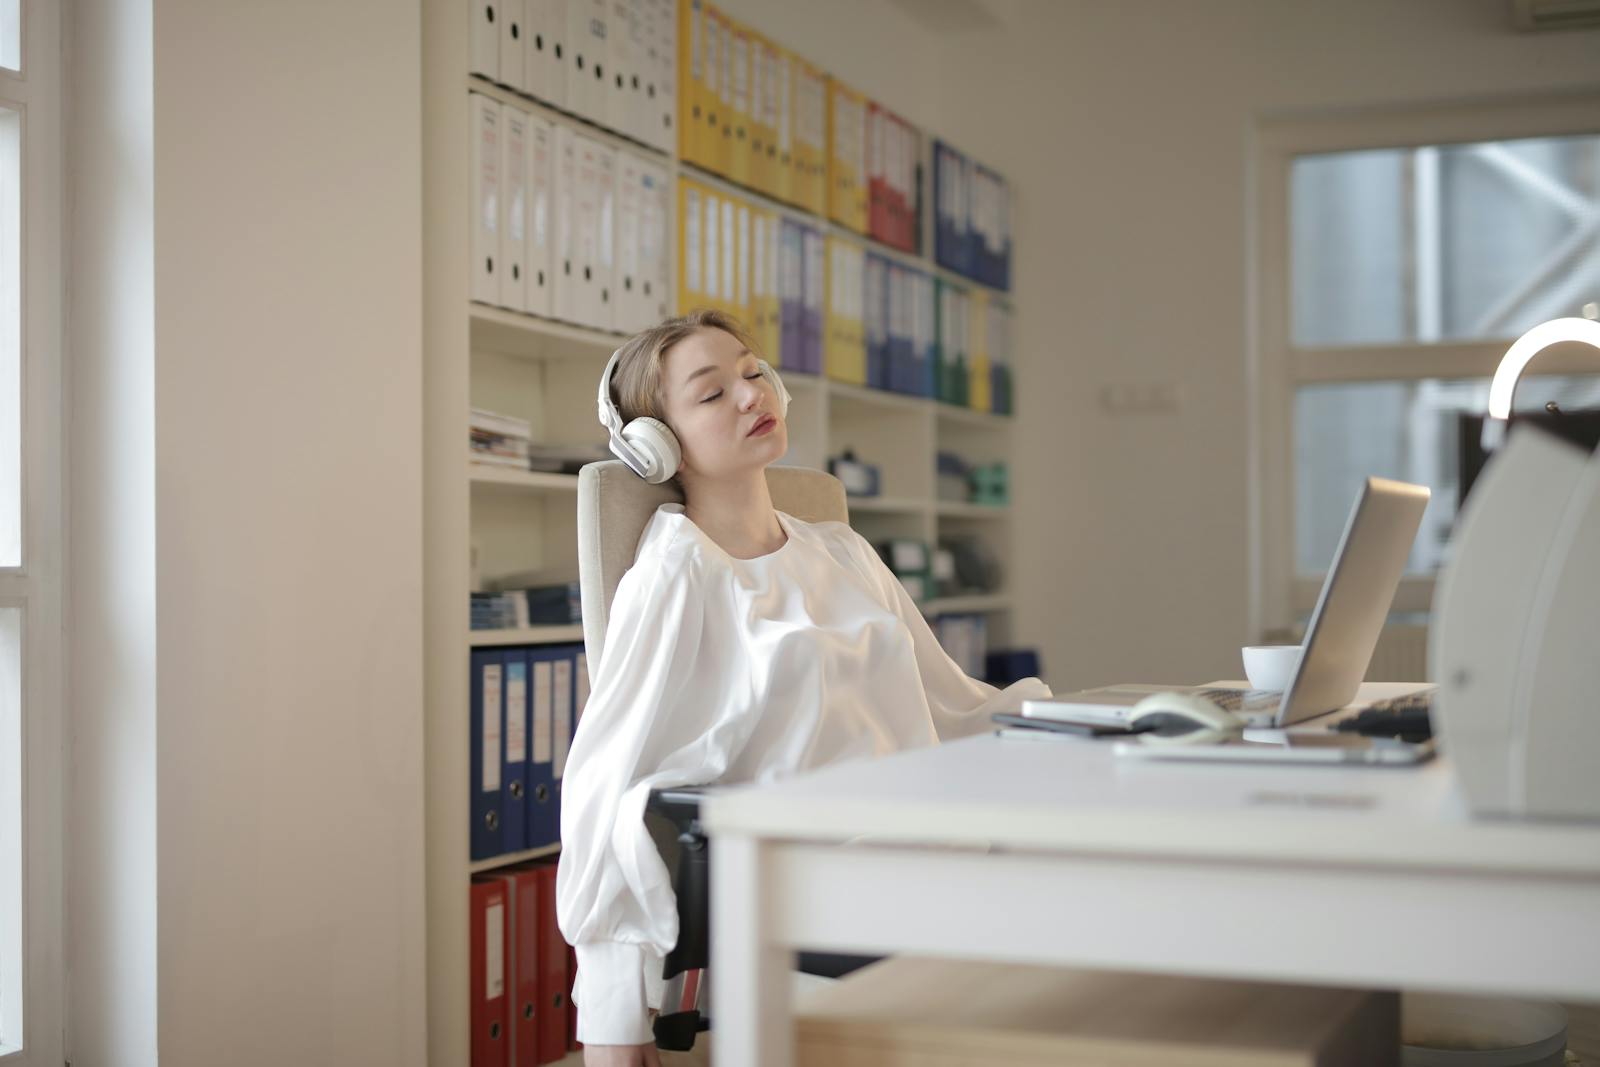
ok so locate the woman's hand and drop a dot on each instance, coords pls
(621, 1056)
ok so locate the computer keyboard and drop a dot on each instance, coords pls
(1242, 699)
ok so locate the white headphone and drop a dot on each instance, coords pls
(648, 446)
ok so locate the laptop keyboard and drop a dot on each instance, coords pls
(1246, 700)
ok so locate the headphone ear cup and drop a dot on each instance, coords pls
(657, 446)
(770, 373)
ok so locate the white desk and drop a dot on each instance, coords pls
(1059, 853)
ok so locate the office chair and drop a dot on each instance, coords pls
(614, 506)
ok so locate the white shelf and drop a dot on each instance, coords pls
(843, 393)
(515, 333)
(506, 860)
(528, 635)
(509, 479)
(953, 605)
(953, 509)
(886, 505)
(988, 420)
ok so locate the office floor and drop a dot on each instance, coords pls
(1583, 1036)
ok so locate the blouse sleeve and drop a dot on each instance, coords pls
(960, 704)
(641, 730)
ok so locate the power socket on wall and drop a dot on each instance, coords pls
(1141, 398)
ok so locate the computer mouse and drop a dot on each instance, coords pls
(1182, 717)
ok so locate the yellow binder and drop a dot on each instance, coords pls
(780, 114)
(980, 397)
(809, 116)
(691, 87)
(847, 185)
(738, 67)
(845, 349)
(719, 127)
(742, 240)
(766, 323)
(763, 96)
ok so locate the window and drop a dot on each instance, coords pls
(1396, 257)
(31, 732)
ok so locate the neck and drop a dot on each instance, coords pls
(736, 513)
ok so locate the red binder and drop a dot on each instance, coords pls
(552, 1014)
(490, 933)
(878, 224)
(572, 1009)
(524, 888)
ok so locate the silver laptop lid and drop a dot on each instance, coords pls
(1355, 599)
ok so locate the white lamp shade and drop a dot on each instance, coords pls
(1516, 360)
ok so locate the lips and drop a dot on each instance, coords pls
(763, 424)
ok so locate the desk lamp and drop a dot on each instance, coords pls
(1516, 360)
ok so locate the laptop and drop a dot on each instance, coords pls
(1339, 641)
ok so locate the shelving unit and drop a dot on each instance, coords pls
(546, 371)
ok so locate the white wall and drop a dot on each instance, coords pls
(111, 924)
(1124, 128)
(247, 800)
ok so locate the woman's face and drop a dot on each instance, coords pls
(724, 412)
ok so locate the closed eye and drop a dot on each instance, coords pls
(718, 393)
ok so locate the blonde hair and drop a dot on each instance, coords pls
(636, 382)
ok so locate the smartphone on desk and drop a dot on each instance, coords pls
(1060, 726)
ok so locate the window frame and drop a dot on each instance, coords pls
(1278, 368)
(37, 586)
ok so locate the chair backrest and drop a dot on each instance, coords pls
(615, 505)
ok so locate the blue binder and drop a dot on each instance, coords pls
(514, 776)
(791, 301)
(952, 237)
(902, 360)
(874, 312)
(485, 716)
(564, 719)
(544, 819)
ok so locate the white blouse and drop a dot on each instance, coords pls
(725, 670)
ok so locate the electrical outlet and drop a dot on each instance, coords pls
(1141, 398)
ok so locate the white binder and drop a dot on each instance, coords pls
(513, 207)
(661, 91)
(566, 269)
(513, 22)
(595, 200)
(485, 58)
(546, 64)
(586, 43)
(485, 161)
(631, 314)
(540, 217)
(621, 67)
(655, 224)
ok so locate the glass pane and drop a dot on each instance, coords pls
(1404, 430)
(10, 827)
(11, 34)
(1443, 243)
(10, 338)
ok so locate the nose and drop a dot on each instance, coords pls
(750, 394)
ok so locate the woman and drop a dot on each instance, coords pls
(743, 645)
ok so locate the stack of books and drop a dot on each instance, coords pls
(564, 459)
(500, 440)
(542, 605)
